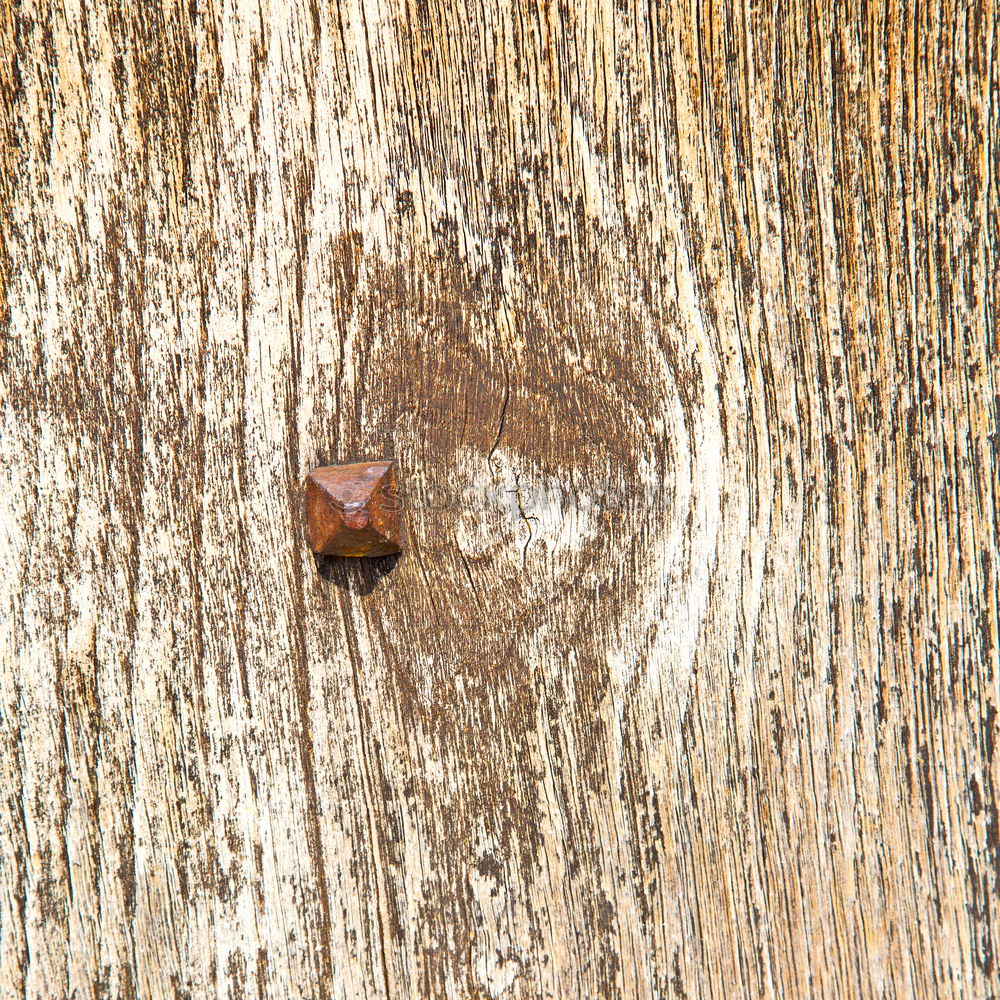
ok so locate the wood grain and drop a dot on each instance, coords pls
(681, 322)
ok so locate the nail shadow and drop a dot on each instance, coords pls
(354, 575)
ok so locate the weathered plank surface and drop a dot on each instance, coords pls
(681, 322)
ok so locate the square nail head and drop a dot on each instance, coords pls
(353, 510)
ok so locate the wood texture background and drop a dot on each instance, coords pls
(681, 322)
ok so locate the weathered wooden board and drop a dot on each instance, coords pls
(681, 323)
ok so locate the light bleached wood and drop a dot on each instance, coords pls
(680, 321)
